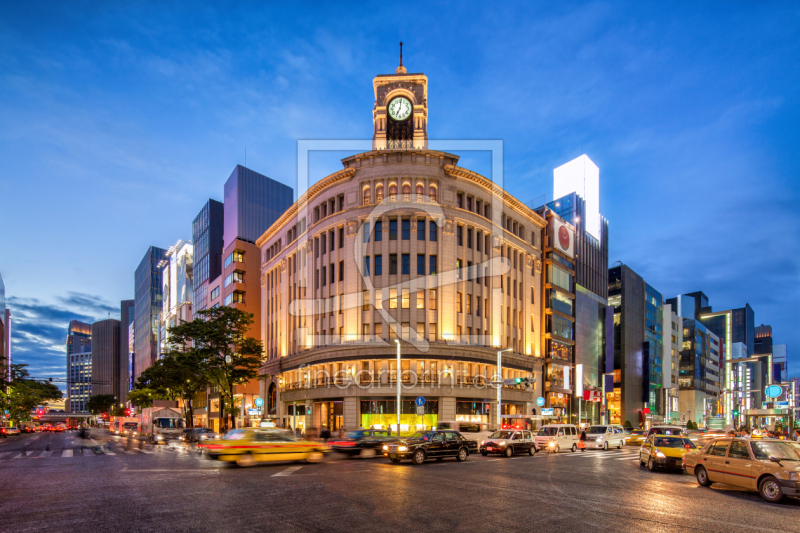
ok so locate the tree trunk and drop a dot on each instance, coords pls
(190, 414)
(223, 417)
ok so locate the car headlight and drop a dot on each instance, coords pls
(660, 454)
(402, 448)
(552, 444)
(793, 476)
(599, 439)
(385, 447)
(483, 442)
(159, 437)
(502, 443)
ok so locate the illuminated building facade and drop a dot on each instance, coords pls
(5, 333)
(401, 244)
(126, 348)
(79, 366)
(177, 291)
(148, 305)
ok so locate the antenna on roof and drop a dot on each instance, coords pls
(401, 53)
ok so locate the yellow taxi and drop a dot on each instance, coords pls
(249, 446)
(637, 436)
(665, 451)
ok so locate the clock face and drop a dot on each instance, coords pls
(400, 108)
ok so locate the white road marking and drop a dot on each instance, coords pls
(107, 451)
(87, 452)
(18, 456)
(46, 453)
(145, 451)
(288, 472)
(67, 453)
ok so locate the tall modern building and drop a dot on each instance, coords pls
(576, 189)
(638, 394)
(252, 203)
(126, 347)
(106, 357)
(177, 291)
(672, 335)
(763, 339)
(207, 229)
(5, 333)
(780, 363)
(148, 305)
(79, 366)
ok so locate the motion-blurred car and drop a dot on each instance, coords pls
(27, 429)
(198, 435)
(665, 451)
(676, 431)
(610, 436)
(363, 442)
(636, 436)
(476, 431)
(11, 430)
(249, 446)
(769, 466)
(508, 442)
(424, 445)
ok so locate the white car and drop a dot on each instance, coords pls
(605, 437)
(556, 437)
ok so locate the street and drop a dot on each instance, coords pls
(51, 482)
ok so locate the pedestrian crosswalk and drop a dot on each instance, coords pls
(84, 451)
(626, 454)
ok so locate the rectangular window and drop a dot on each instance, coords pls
(559, 277)
(420, 264)
(477, 306)
(214, 292)
(365, 301)
(378, 231)
(432, 299)
(421, 230)
(432, 226)
(378, 299)
(478, 240)
(366, 266)
(378, 331)
(324, 276)
(333, 274)
(393, 229)
(431, 332)
(421, 330)
(341, 237)
(405, 298)
(469, 304)
(365, 331)
(458, 269)
(405, 331)
(234, 257)
(365, 229)
(459, 298)
(561, 303)
(420, 299)
(392, 264)
(406, 264)
(341, 270)
(432, 265)
(234, 297)
(406, 228)
(460, 235)
(532, 297)
(469, 238)
(323, 243)
(234, 277)
(379, 265)
(560, 326)
(392, 298)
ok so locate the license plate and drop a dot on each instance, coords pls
(393, 455)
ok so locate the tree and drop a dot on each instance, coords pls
(141, 397)
(220, 346)
(21, 394)
(628, 424)
(100, 403)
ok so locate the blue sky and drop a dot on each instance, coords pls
(118, 121)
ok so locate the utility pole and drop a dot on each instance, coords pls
(398, 377)
(500, 386)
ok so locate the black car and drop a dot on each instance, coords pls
(424, 445)
(363, 442)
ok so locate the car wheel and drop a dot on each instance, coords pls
(462, 455)
(770, 490)
(605, 446)
(619, 445)
(246, 460)
(702, 477)
(574, 448)
(531, 451)
(509, 452)
(484, 454)
(367, 453)
(314, 457)
(418, 458)
(651, 465)
(556, 449)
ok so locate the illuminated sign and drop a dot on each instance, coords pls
(773, 391)
(562, 237)
(548, 411)
(540, 401)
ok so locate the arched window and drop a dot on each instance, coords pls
(272, 399)
(379, 192)
(406, 188)
(367, 196)
(392, 189)
(432, 192)
(420, 189)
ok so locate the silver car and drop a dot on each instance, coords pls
(605, 437)
(508, 442)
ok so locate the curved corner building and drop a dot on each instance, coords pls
(402, 243)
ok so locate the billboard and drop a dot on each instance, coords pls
(562, 236)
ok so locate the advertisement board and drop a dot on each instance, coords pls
(562, 236)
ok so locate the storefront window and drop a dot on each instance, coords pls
(560, 351)
(470, 411)
(382, 414)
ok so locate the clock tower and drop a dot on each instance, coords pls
(400, 114)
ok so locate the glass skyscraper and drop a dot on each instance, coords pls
(148, 304)
(207, 238)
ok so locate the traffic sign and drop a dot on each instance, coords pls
(420, 410)
(548, 412)
(540, 401)
(420, 401)
(259, 402)
(773, 391)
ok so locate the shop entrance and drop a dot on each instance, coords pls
(329, 415)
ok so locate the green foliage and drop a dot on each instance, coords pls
(100, 403)
(141, 397)
(691, 425)
(627, 424)
(21, 395)
(117, 411)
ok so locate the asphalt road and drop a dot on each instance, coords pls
(50, 482)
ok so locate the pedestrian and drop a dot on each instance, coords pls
(797, 435)
(325, 434)
(582, 441)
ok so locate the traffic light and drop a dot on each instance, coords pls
(735, 412)
(127, 412)
(105, 415)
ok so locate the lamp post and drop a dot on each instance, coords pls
(500, 385)
(398, 376)
(605, 394)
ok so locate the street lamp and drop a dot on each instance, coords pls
(397, 378)
(500, 385)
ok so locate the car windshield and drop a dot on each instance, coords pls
(129, 425)
(169, 423)
(638, 432)
(789, 451)
(672, 442)
(355, 434)
(423, 435)
(666, 431)
(596, 429)
(548, 432)
(501, 435)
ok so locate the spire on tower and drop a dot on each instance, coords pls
(401, 69)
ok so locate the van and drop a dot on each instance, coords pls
(556, 437)
(476, 431)
(666, 430)
(606, 436)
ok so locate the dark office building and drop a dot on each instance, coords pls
(207, 239)
(105, 357)
(252, 203)
(763, 339)
(126, 350)
(148, 305)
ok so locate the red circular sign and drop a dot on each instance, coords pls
(563, 237)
